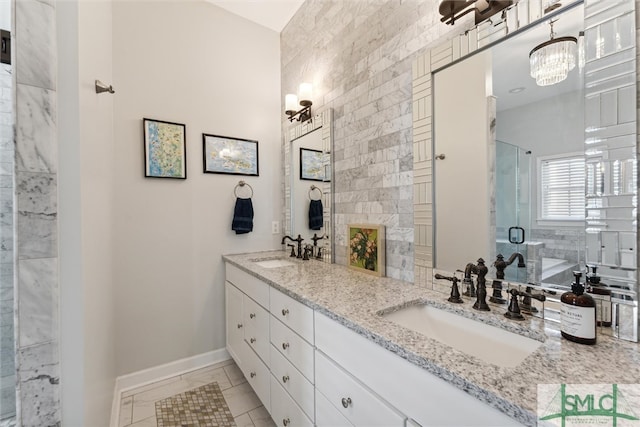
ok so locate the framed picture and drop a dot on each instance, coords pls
(225, 154)
(365, 249)
(312, 164)
(165, 150)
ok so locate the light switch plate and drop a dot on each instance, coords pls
(275, 227)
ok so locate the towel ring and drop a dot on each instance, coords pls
(242, 184)
(313, 187)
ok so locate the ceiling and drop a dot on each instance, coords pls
(511, 62)
(273, 14)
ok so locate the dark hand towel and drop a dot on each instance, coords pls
(315, 215)
(242, 216)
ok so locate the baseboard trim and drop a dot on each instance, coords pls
(161, 372)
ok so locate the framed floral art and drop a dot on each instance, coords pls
(366, 248)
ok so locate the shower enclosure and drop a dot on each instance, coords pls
(7, 340)
(513, 208)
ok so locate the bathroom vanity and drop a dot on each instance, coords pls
(319, 345)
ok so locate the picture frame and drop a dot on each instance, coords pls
(366, 248)
(312, 164)
(230, 155)
(165, 149)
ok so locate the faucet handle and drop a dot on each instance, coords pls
(307, 249)
(293, 250)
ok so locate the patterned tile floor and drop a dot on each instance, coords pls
(138, 406)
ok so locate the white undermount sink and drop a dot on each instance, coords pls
(486, 342)
(274, 263)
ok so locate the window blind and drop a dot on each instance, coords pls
(562, 188)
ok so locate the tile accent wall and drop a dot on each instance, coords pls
(358, 56)
(36, 213)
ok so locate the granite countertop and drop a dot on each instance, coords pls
(355, 300)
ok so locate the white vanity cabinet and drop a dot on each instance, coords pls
(247, 316)
(308, 369)
(422, 397)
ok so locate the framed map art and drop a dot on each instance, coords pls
(165, 151)
(225, 154)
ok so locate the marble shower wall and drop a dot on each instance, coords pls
(36, 213)
(358, 55)
(7, 342)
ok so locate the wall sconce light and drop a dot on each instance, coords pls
(291, 104)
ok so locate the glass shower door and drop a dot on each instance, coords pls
(513, 210)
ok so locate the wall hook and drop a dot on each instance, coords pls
(101, 87)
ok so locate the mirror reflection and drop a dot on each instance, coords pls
(307, 177)
(513, 186)
(308, 186)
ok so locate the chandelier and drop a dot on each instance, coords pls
(552, 60)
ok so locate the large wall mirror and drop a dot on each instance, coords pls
(543, 175)
(308, 183)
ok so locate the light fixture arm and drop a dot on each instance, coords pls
(302, 115)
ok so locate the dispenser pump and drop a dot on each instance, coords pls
(577, 287)
(593, 278)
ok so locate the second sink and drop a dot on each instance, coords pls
(486, 342)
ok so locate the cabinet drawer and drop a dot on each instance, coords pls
(250, 285)
(355, 402)
(292, 313)
(298, 387)
(327, 415)
(293, 347)
(284, 411)
(257, 374)
(256, 327)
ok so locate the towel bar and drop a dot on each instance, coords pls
(313, 187)
(242, 184)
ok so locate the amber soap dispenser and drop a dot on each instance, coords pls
(578, 314)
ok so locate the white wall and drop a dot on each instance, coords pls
(191, 63)
(86, 193)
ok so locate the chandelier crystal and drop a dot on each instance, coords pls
(552, 60)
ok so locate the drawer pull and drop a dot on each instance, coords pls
(252, 340)
(239, 325)
(285, 345)
(252, 315)
(285, 378)
(285, 311)
(346, 402)
(253, 375)
(286, 422)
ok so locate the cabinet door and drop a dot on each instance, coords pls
(284, 411)
(327, 415)
(352, 399)
(235, 326)
(257, 374)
